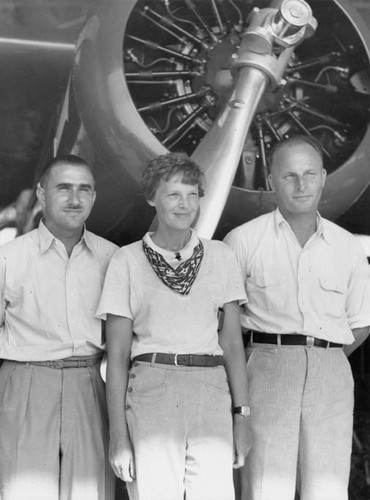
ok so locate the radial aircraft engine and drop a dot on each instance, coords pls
(223, 81)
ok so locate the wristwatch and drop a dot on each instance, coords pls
(243, 410)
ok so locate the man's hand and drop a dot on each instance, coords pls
(242, 439)
(121, 457)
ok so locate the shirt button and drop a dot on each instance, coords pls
(129, 389)
(132, 375)
(128, 407)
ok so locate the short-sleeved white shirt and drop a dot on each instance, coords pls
(163, 320)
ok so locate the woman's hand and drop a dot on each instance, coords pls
(242, 439)
(121, 457)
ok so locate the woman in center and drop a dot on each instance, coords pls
(176, 372)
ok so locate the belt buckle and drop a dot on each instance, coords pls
(56, 363)
(310, 341)
(175, 360)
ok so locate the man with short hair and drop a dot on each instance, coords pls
(53, 419)
(307, 282)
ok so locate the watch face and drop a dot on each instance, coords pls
(246, 411)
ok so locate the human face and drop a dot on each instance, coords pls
(298, 177)
(67, 198)
(176, 204)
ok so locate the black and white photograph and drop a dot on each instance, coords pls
(184, 250)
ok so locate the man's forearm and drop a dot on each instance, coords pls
(360, 335)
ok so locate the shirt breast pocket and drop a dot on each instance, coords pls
(333, 295)
(267, 290)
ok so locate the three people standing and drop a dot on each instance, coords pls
(178, 387)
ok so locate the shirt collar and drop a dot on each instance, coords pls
(47, 239)
(322, 229)
(87, 239)
(278, 220)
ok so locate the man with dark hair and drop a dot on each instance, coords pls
(308, 289)
(64, 159)
(53, 420)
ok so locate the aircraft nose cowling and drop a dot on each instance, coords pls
(147, 81)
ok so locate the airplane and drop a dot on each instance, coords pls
(119, 82)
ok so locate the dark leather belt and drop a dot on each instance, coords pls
(82, 362)
(181, 359)
(287, 339)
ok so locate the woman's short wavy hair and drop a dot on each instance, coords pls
(167, 166)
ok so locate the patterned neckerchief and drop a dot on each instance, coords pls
(181, 279)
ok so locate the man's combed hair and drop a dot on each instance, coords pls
(168, 166)
(63, 160)
(296, 140)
